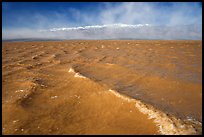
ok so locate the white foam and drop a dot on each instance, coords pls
(15, 121)
(109, 64)
(166, 124)
(34, 57)
(53, 56)
(77, 75)
(17, 91)
(15, 129)
(71, 70)
(53, 97)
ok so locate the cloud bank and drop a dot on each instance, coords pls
(159, 15)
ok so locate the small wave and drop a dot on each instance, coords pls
(77, 75)
(168, 124)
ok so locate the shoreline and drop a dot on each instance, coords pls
(167, 123)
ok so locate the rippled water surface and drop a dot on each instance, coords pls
(41, 96)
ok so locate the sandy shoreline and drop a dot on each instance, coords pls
(64, 87)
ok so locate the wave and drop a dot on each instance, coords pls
(167, 123)
(77, 75)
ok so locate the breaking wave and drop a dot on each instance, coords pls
(168, 124)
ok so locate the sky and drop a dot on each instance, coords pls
(32, 16)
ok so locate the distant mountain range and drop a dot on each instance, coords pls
(123, 31)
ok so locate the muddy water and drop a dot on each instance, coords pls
(42, 96)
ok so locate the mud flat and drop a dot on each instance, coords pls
(102, 87)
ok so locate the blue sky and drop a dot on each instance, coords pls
(46, 15)
(65, 14)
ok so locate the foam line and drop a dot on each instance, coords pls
(168, 124)
(77, 75)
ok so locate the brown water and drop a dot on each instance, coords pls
(43, 92)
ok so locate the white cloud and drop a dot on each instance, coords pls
(114, 31)
(125, 12)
